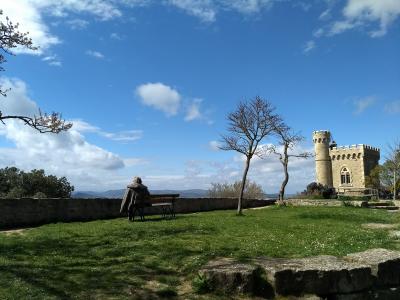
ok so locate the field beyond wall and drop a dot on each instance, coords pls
(156, 259)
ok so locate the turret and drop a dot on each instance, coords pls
(323, 164)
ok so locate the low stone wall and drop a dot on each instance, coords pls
(311, 202)
(29, 212)
(372, 274)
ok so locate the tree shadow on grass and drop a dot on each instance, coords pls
(76, 265)
(343, 217)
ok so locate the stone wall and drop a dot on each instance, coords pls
(368, 275)
(29, 212)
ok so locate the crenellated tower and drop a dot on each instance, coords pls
(323, 163)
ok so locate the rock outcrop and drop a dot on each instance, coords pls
(372, 274)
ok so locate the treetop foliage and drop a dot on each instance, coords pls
(15, 183)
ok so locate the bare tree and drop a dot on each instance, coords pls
(288, 139)
(248, 125)
(392, 165)
(11, 38)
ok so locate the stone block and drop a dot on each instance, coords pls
(385, 265)
(228, 276)
(320, 275)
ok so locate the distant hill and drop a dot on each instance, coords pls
(194, 193)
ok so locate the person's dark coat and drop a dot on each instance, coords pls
(135, 194)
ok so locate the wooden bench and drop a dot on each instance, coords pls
(166, 202)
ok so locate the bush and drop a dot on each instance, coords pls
(231, 190)
(15, 192)
(40, 195)
(317, 191)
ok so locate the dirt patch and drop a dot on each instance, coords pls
(378, 226)
(185, 288)
(14, 232)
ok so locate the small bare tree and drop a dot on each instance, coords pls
(11, 38)
(287, 141)
(392, 165)
(248, 125)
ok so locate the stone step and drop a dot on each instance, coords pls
(385, 207)
(379, 204)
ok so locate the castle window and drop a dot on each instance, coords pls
(348, 156)
(338, 157)
(359, 155)
(319, 140)
(354, 156)
(343, 156)
(333, 157)
(345, 177)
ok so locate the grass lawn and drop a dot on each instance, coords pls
(115, 259)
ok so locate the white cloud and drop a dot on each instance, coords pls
(122, 136)
(30, 15)
(393, 107)
(248, 6)
(115, 36)
(342, 26)
(77, 24)
(203, 9)
(364, 12)
(193, 111)
(159, 96)
(318, 33)
(214, 145)
(309, 46)
(30, 20)
(362, 104)
(95, 54)
(325, 15)
(52, 60)
(65, 154)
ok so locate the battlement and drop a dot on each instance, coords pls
(322, 136)
(321, 132)
(357, 147)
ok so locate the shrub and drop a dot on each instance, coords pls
(316, 190)
(252, 190)
(40, 195)
(201, 285)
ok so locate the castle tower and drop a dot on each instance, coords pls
(323, 163)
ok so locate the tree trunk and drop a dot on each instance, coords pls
(246, 169)
(394, 185)
(285, 163)
(284, 183)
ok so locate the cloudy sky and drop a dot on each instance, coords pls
(148, 84)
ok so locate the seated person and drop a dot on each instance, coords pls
(135, 199)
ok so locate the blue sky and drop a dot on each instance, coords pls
(148, 84)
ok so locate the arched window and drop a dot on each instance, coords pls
(348, 156)
(345, 177)
(333, 157)
(354, 156)
(344, 156)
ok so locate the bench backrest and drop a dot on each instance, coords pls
(163, 198)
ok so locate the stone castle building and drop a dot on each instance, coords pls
(344, 167)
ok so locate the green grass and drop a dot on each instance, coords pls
(115, 259)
